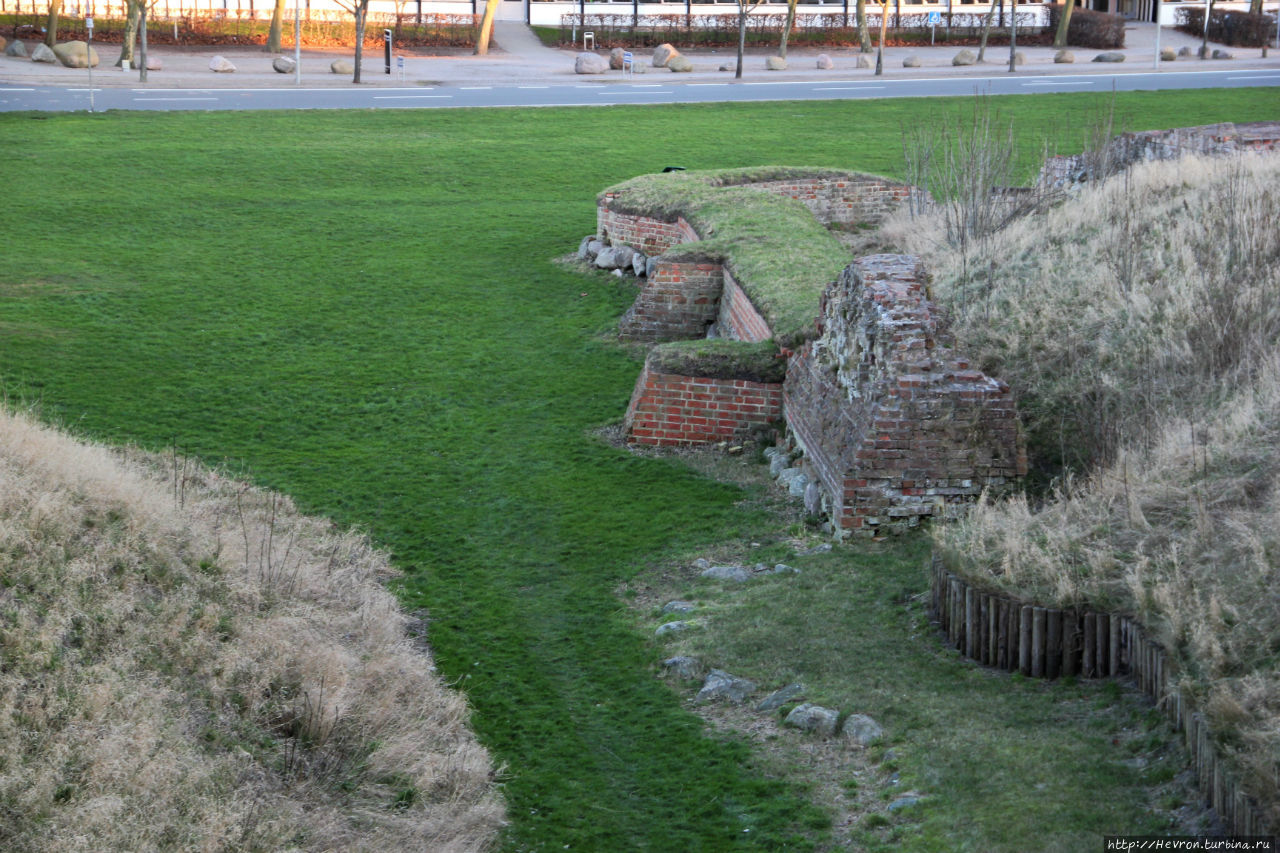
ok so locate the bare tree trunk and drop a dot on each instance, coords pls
(486, 27)
(986, 31)
(51, 23)
(791, 21)
(362, 11)
(1013, 35)
(742, 36)
(1204, 44)
(864, 34)
(1255, 7)
(1060, 37)
(884, 25)
(273, 35)
(130, 37)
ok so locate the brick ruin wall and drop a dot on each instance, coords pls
(738, 319)
(843, 201)
(679, 300)
(668, 409)
(1213, 140)
(644, 233)
(892, 423)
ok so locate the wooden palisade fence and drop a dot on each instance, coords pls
(1044, 642)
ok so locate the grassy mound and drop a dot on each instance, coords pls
(720, 359)
(188, 663)
(1138, 325)
(774, 248)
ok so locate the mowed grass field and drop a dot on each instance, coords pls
(361, 309)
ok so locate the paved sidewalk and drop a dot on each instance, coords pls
(518, 58)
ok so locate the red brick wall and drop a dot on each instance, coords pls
(893, 424)
(651, 236)
(851, 201)
(678, 302)
(738, 319)
(671, 410)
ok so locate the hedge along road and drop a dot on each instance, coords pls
(360, 310)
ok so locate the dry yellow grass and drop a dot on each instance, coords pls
(1142, 317)
(188, 663)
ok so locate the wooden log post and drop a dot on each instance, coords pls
(993, 630)
(1070, 644)
(1053, 645)
(970, 622)
(1102, 623)
(1113, 646)
(1024, 638)
(1038, 632)
(1087, 660)
(1002, 634)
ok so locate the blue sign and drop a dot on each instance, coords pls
(935, 18)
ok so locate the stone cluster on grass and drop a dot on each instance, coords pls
(622, 260)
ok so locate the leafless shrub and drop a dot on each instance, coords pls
(188, 663)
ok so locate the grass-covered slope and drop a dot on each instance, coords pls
(188, 663)
(780, 255)
(1138, 324)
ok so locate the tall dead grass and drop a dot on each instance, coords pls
(188, 663)
(1138, 324)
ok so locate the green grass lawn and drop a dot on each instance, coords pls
(361, 309)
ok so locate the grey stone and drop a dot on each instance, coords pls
(678, 607)
(816, 549)
(284, 64)
(964, 57)
(911, 62)
(813, 498)
(594, 248)
(623, 256)
(737, 574)
(583, 246)
(662, 55)
(825, 63)
(780, 697)
(342, 66)
(905, 801)
(1168, 54)
(219, 64)
(813, 718)
(590, 63)
(775, 63)
(682, 666)
(787, 475)
(42, 53)
(639, 263)
(1109, 56)
(722, 685)
(1064, 57)
(861, 730)
(702, 563)
(728, 66)
(76, 54)
(864, 61)
(615, 58)
(1222, 54)
(16, 48)
(797, 486)
(638, 68)
(1185, 51)
(650, 265)
(1019, 58)
(679, 64)
(672, 628)
(154, 63)
(778, 464)
(617, 273)
(784, 569)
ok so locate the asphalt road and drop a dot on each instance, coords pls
(617, 91)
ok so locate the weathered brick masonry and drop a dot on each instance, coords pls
(894, 426)
(738, 319)
(649, 235)
(679, 300)
(668, 409)
(844, 201)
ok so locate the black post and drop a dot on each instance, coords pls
(386, 50)
(846, 14)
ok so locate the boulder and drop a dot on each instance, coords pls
(16, 48)
(678, 607)
(637, 68)
(1109, 56)
(861, 730)
(154, 63)
(605, 258)
(623, 257)
(672, 628)
(1064, 57)
(284, 64)
(1218, 53)
(650, 266)
(221, 65)
(964, 57)
(780, 697)
(684, 667)
(813, 718)
(728, 66)
(1168, 54)
(775, 63)
(797, 485)
(76, 54)
(342, 66)
(590, 63)
(639, 264)
(1185, 52)
(42, 53)
(1019, 58)
(615, 58)
(679, 64)
(903, 802)
(813, 498)
(864, 61)
(737, 574)
(584, 246)
(722, 685)
(595, 247)
(3, 43)
(662, 55)
(911, 62)
(825, 63)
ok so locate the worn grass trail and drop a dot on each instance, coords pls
(360, 309)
